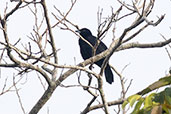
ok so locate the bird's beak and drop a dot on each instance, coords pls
(78, 31)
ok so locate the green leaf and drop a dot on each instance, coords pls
(138, 106)
(169, 110)
(124, 104)
(168, 95)
(168, 99)
(166, 109)
(148, 100)
(159, 98)
(133, 98)
(144, 111)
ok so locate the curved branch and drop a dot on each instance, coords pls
(13, 10)
(138, 45)
(116, 102)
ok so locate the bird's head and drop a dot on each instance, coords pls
(84, 32)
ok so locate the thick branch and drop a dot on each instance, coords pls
(138, 45)
(46, 96)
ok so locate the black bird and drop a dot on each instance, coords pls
(87, 51)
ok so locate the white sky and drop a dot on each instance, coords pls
(146, 65)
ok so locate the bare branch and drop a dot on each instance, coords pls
(135, 34)
(13, 10)
(46, 63)
(45, 97)
(169, 55)
(19, 98)
(138, 45)
(88, 105)
(116, 102)
(100, 88)
(52, 42)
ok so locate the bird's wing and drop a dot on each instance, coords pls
(85, 49)
(101, 47)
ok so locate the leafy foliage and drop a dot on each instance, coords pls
(154, 103)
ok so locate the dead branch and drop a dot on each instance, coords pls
(18, 95)
(52, 42)
(139, 45)
(116, 102)
(36, 58)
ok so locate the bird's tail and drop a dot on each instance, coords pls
(108, 74)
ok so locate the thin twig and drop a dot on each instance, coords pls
(19, 98)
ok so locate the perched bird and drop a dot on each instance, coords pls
(87, 51)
